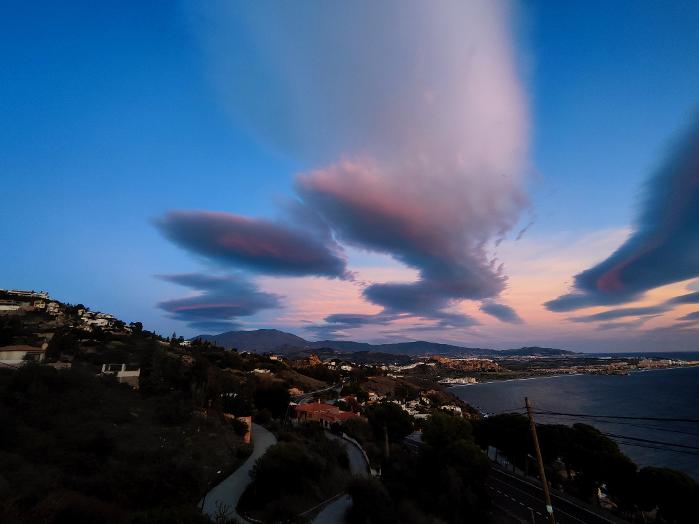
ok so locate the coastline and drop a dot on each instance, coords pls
(536, 377)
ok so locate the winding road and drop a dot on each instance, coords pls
(224, 496)
(334, 513)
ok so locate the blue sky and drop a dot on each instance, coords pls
(116, 113)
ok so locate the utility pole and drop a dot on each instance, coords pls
(540, 461)
(387, 448)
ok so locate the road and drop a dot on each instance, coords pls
(334, 513)
(357, 463)
(224, 496)
(524, 500)
(303, 399)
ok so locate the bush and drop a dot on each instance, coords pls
(240, 427)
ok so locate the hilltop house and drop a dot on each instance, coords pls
(17, 355)
(326, 414)
(123, 375)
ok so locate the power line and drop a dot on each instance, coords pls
(645, 426)
(651, 427)
(587, 415)
(506, 411)
(646, 446)
(650, 441)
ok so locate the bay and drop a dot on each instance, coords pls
(665, 393)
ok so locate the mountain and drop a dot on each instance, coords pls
(535, 351)
(273, 340)
(259, 340)
(416, 349)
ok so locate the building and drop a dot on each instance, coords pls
(17, 355)
(10, 306)
(25, 294)
(326, 414)
(123, 375)
(95, 319)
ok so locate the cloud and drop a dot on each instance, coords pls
(614, 314)
(257, 245)
(420, 135)
(690, 317)
(334, 325)
(220, 300)
(664, 246)
(643, 311)
(689, 298)
(622, 325)
(502, 312)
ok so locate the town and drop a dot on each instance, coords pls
(288, 437)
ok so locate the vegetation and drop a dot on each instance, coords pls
(76, 448)
(442, 481)
(303, 469)
(580, 460)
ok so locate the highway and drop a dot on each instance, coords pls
(524, 500)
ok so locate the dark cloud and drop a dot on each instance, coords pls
(220, 301)
(689, 298)
(664, 247)
(502, 312)
(690, 317)
(614, 314)
(257, 245)
(645, 311)
(621, 325)
(334, 325)
(357, 319)
(429, 224)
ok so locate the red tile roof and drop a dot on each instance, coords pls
(315, 408)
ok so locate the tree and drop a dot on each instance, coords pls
(595, 457)
(62, 342)
(672, 492)
(371, 503)
(274, 397)
(442, 429)
(390, 418)
(509, 433)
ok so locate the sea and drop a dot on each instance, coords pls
(660, 393)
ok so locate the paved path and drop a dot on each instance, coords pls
(334, 513)
(357, 462)
(227, 493)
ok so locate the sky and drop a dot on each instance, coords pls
(485, 173)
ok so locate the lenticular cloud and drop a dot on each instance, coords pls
(664, 246)
(415, 138)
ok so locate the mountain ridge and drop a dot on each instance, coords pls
(274, 340)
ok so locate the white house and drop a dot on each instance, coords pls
(20, 354)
